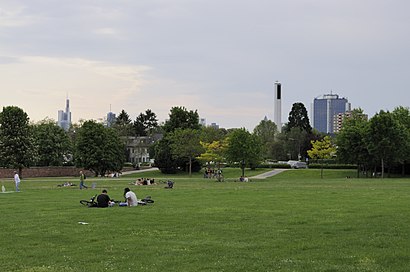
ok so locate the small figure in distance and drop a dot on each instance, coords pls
(103, 200)
(82, 178)
(170, 184)
(17, 181)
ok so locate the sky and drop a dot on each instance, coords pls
(219, 57)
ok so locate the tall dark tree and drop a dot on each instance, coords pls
(181, 118)
(163, 156)
(402, 115)
(145, 123)
(123, 124)
(52, 143)
(298, 118)
(16, 142)
(99, 149)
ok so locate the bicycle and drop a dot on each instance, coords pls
(89, 203)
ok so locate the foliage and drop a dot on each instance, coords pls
(214, 152)
(145, 123)
(185, 144)
(163, 156)
(123, 124)
(16, 142)
(266, 131)
(385, 138)
(210, 134)
(298, 118)
(322, 149)
(99, 149)
(180, 117)
(243, 148)
(52, 142)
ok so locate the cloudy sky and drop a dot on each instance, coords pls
(220, 57)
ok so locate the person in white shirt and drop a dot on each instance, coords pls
(17, 181)
(130, 198)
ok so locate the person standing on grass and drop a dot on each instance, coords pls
(16, 181)
(130, 198)
(82, 178)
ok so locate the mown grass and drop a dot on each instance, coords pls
(294, 221)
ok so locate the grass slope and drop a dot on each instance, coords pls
(293, 221)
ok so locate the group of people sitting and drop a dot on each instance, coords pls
(243, 179)
(144, 181)
(130, 200)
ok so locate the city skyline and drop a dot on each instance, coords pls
(220, 58)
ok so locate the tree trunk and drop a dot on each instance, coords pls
(382, 168)
(358, 170)
(190, 167)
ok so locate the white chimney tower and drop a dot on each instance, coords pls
(277, 106)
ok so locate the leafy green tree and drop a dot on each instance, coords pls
(52, 142)
(402, 115)
(145, 123)
(385, 138)
(351, 141)
(243, 148)
(163, 156)
(210, 134)
(99, 149)
(266, 131)
(322, 149)
(298, 118)
(214, 152)
(123, 124)
(185, 144)
(181, 118)
(16, 142)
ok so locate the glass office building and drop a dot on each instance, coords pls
(325, 109)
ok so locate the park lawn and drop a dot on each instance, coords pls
(294, 221)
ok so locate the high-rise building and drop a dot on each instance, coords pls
(64, 117)
(277, 106)
(111, 118)
(325, 109)
(341, 117)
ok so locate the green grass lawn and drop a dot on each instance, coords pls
(294, 221)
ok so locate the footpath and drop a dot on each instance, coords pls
(269, 174)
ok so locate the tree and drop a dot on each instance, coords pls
(99, 149)
(123, 124)
(181, 118)
(163, 156)
(145, 123)
(210, 134)
(52, 142)
(214, 152)
(402, 115)
(298, 118)
(243, 148)
(16, 142)
(322, 149)
(351, 144)
(385, 138)
(266, 131)
(185, 144)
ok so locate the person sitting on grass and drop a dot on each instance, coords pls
(130, 198)
(103, 200)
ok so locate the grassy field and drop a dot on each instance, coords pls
(293, 221)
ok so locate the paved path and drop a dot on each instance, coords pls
(269, 174)
(139, 171)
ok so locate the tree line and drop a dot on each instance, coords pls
(379, 143)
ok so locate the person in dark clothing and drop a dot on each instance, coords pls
(103, 200)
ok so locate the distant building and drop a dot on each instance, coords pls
(214, 125)
(277, 106)
(111, 118)
(325, 109)
(202, 121)
(64, 117)
(341, 117)
(138, 148)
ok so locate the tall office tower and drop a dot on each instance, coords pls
(111, 118)
(325, 109)
(64, 117)
(277, 106)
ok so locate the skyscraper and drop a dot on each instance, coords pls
(277, 106)
(64, 117)
(325, 109)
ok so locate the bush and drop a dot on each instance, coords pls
(331, 166)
